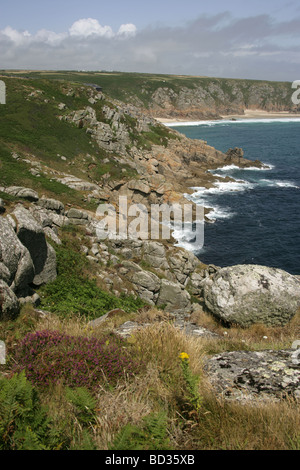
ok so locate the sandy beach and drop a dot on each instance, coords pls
(249, 114)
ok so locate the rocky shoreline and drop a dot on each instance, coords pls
(158, 272)
(246, 115)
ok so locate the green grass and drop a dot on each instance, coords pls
(125, 86)
(75, 291)
(16, 173)
(30, 126)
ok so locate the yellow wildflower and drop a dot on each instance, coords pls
(184, 356)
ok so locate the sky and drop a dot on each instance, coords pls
(256, 39)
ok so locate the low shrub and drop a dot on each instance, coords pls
(51, 357)
(151, 434)
(74, 292)
(24, 423)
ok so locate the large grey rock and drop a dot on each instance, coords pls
(74, 213)
(46, 272)
(255, 375)
(17, 268)
(140, 186)
(173, 296)
(147, 280)
(4, 273)
(32, 236)
(24, 193)
(9, 304)
(183, 263)
(51, 204)
(146, 285)
(78, 184)
(77, 217)
(155, 255)
(247, 294)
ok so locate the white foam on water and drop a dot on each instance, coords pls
(218, 212)
(227, 168)
(286, 184)
(266, 167)
(223, 122)
(278, 183)
(190, 237)
(222, 187)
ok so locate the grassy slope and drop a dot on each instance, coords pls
(124, 86)
(29, 126)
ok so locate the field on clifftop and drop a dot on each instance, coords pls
(181, 96)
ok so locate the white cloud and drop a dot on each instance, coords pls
(18, 38)
(87, 27)
(127, 30)
(238, 47)
(49, 37)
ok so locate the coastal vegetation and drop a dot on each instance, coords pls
(139, 88)
(71, 380)
(155, 404)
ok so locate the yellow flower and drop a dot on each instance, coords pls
(184, 356)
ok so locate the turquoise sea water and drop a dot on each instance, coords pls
(256, 220)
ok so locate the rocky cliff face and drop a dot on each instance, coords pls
(217, 99)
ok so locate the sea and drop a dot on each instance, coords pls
(255, 219)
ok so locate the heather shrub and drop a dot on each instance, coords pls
(51, 357)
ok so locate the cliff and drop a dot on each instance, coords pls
(184, 97)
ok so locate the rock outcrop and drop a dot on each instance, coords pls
(255, 375)
(26, 259)
(213, 98)
(17, 266)
(32, 236)
(247, 294)
(9, 304)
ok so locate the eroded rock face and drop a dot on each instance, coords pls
(252, 375)
(247, 294)
(9, 304)
(147, 285)
(16, 267)
(173, 296)
(25, 193)
(155, 254)
(32, 236)
(51, 204)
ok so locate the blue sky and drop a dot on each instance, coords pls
(237, 38)
(58, 15)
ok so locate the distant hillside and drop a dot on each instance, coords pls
(53, 129)
(172, 96)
